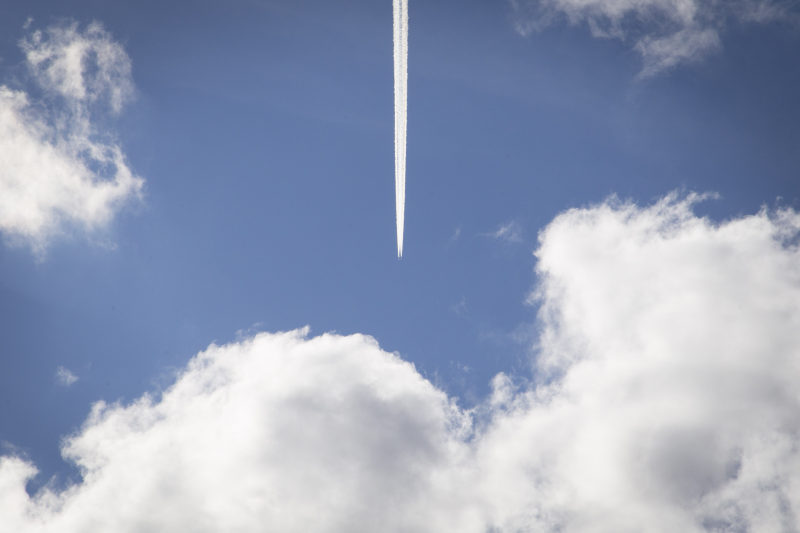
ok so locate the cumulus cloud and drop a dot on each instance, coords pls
(59, 170)
(279, 431)
(663, 398)
(667, 372)
(666, 33)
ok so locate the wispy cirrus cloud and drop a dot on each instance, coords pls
(65, 377)
(510, 232)
(663, 398)
(665, 33)
(60, 171)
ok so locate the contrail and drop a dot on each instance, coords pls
(400, 114)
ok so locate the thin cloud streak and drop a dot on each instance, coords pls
(400, 113)
(509, 232)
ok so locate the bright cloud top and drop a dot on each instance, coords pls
(665, 33)
(664, 399)
(58, 170)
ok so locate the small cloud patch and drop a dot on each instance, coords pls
(65, 377)
(511, 232)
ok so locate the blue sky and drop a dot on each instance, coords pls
(262, 131)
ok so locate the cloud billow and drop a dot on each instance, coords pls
(664, 398)
(59, 171)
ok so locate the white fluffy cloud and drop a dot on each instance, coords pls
(326, 434)
(668, 369)
(664, 32)
(58, 171)
(665, 399)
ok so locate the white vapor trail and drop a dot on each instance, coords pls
(400, 114)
